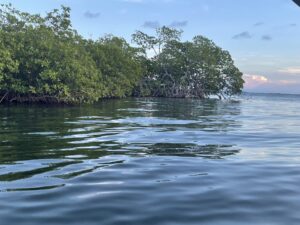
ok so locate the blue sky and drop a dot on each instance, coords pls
(263, 36)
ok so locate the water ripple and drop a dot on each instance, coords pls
(152, 161)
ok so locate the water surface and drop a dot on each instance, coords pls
(152, 161)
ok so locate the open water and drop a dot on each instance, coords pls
(152, 161)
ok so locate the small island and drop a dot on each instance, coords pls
(43, 59)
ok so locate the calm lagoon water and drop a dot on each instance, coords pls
(152, 161)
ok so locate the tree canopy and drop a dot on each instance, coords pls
(43, 59)
(197, 68)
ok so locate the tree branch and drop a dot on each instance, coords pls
(4, 96)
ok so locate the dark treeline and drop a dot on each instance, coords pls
(43, 59)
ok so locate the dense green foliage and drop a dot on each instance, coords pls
(43, 59)
(119, 64)
(187, 69)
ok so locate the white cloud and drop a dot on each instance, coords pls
(290, 70)
(252, 81)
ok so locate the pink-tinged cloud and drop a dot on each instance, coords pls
(252, 81)
(259, 83)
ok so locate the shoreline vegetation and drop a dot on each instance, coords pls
(43, 59)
